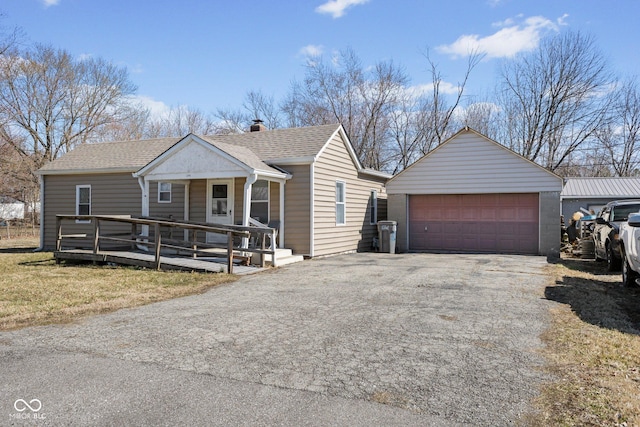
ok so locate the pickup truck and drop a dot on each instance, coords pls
(630, 250)
(606, 231)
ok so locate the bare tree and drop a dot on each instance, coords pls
(256, 105)
(552, 98)
(439, 112)
(343, 91)
(621, 136)
(50, 102)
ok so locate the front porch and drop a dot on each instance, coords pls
(199, 181)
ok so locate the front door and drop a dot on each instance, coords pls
(219, 206)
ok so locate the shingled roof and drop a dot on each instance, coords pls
(255, 149)
(124, 156)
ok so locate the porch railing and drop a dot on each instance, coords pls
(163, 235)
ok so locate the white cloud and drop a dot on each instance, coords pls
(337, 8)
(48, 3)
(157, 109)
(445, 88)
(511, 39)
(311, 50)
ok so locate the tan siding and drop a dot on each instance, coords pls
(198, 200)
(238, 198)
(470, 163)
(297, 202)
(335, 164)
(111, 194)
(174, 210)
(274, 201)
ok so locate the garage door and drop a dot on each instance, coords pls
(494, 223)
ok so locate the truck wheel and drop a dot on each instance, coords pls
(613, 264)
(628, 275)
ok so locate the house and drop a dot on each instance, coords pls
(11, 208)
(591, 194)
(306, 182)
(472, 194)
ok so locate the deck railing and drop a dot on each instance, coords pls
(161, 235)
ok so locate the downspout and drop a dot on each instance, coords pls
(41, 248)
(281, 230)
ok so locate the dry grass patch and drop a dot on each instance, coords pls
(35, 291)
(593, 347)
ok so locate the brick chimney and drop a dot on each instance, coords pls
(257, 126)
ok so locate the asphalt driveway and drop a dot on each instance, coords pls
(359, 339)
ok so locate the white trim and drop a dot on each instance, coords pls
(187, 187)
(78, 188)
(85, 171)
(262, 201)
(344, 202)
(312, 219)
(281, 215)
(42, 213)
(373, 196)
(230, 198)
(170, 192)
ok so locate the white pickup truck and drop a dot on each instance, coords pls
(630, 250)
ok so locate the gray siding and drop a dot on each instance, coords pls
(111, 194)
(398, 212)
(335, 164)
(174, 210)
(198, 200)
(549, 242)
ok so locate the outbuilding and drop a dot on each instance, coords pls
(471, 194)
(591, 194)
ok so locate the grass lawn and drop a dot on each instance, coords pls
(36, 291)
(593, 349)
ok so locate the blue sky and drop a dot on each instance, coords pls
(208, 54)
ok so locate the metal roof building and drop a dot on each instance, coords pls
(593, 193)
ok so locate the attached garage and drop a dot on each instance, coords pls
(473, 195)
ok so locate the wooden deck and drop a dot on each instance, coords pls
(147, 260)
(152, 243)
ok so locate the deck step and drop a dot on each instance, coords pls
(283, 257)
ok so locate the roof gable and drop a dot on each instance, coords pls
(196, 157)
(469, 162)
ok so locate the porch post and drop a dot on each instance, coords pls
(187, 185)
(246, 204)
(281, 230)
(144, 186)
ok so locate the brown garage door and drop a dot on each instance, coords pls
(494, 223)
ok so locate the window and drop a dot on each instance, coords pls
(341, 214)
(373, 211)
(83, 200)
(260, 201)
(164, 192)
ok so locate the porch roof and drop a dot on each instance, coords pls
(195, 157)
